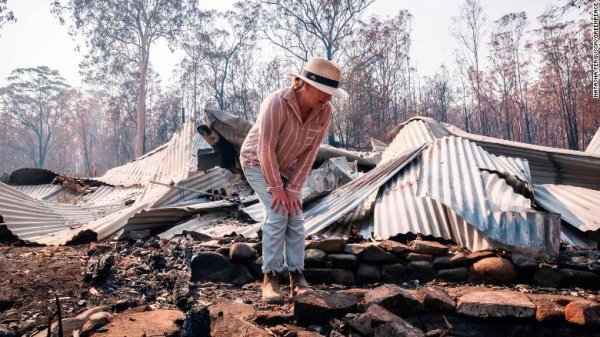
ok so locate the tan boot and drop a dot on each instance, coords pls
(298, 284)
(271, 294)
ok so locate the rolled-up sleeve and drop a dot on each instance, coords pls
(306, 160)
(271, 119)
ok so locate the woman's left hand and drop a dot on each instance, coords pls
(295, 202)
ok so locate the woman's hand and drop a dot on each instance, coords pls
(295, 202)
(280, 201)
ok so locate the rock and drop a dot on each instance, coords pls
(428, 247)
(328, 276)
(495, 270)
(359, 292)
(379, 314)
(231, 327)
(85, 315)
(240, 275)
(314, 258)
(150, 323)
(393, 273)
(241, 252)
(255, 267)
(453, 275)
(6, 303)
(478, 255)
(343, 261)
(331, 245)
(210, 266)
(450, 261)
(420, 270)
(99, 269)
(232, 309)
(393, 298)
(320, 309)
(272, 318)
(317, 275)
(398, 329)
(523, 261)
(580, 278)
(181, 289)
(341, 276)
(548, 311)
(196, 323)
(435, 299)
(367, 273)
(393, 247)
(200, 237)
(496, 304)
(69, 325)
(583, 313)
(95, 322)
(355, 248)
(419, 257)
(357, 323)
(376, 255)
(547, 277)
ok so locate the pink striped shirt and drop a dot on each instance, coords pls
(280, 144)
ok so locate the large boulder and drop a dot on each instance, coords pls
(314, 258)
(374, 254)
(494, 270)
(393, 247)
(241, 252)
(583, 313)
(496, 304)
(210, 266)
(368, 273)
(232, 310)
(319, 309)
(420, 270)
(331, 245)
(397, 300)
(160, 322)
(450, 261)
(453, 275)
(428, 247)
(393, 273)
(343, 261)
(580, 278)
(436, 299)
(231, 326)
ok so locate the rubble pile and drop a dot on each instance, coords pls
(187, 287)
(438, 233)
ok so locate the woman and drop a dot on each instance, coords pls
(277, 156)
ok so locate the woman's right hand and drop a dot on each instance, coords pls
(280, 201)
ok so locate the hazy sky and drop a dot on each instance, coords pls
(38, 38)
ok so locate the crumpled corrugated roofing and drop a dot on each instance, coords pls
(52, 223)
(594, 145)
(577, 205)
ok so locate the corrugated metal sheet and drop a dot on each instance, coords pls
(413, 133)
(41, 192)
(398, 210)
(32, 219)
(578, 206)
(213, 225)
(347, 197)
(108, 195)
(169, 163)
(547, 165)
(143, 169)
(199, 222)
(594, 146)
(256, 212)
(452, 174)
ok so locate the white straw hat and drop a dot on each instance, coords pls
(323, 75)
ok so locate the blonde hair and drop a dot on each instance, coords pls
(297, 84)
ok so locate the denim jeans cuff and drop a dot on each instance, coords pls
(279, 269)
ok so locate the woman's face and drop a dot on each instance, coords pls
(316, 98)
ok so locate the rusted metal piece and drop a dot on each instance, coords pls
(59, 316)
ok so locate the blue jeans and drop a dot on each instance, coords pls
(283, 235)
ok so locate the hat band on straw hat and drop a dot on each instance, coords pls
(320, 79)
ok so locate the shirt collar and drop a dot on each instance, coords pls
(290, 97)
